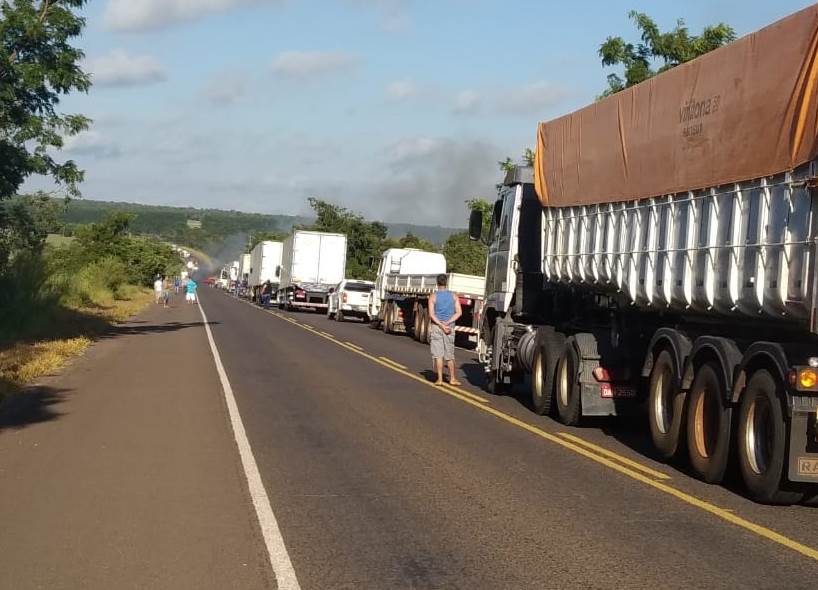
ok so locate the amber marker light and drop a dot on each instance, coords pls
(808, 378)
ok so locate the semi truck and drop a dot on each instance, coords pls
(265, 263)
(406, 278)
(312, 263)
(661, 255)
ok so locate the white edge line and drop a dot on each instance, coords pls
(276, 550)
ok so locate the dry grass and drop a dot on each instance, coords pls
(23, 362)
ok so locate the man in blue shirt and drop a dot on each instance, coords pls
(444, 311)
(190, 291)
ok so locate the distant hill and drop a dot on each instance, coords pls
(181, 224)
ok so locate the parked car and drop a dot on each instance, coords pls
(349, 299)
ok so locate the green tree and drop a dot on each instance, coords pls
(670, 49)
(365, 239)
(38, 65)
(464, 255)
(25, 222)
(264, 236)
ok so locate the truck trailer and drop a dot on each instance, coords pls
(265, 265)
(312, 263)
(661, 255)
(406, 278)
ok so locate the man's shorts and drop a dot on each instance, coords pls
(442, 344)
(190, 296)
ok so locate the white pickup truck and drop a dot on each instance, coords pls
(349, 299)
(400, 300)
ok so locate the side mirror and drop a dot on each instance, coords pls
(371, 261)
(475, 225)
(278, 270)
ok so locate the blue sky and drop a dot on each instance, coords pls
(398, 109)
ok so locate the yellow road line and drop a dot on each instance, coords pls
(391, 362)
(469, 394)
(327, 334)
(722, 513)
(616, 456)
(353, 345)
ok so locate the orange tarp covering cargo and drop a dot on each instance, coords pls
(744, 111)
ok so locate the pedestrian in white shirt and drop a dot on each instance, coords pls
(158, 289)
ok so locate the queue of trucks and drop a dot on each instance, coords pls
(658, 258)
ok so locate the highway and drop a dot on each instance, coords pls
(263, 449)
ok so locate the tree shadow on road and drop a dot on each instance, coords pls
(31, 405)
(144, 328)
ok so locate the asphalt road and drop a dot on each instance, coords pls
(376, 478)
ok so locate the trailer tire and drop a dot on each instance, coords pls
(544, 371)
(416, 323)
(666, 406)
(568, 395)
(762, 441)
(708, 424)
(387, 318)
(420, 335)
(427, 328)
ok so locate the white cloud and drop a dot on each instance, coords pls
(119, 68)
(402, 90)
(532, 99)
(142, 15)
(312, 64)
(394, 14)
(93, 144)
(466, 102)
(227, 87)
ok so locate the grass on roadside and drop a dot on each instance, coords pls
(73, 331)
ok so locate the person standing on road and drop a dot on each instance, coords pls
(177, 284)
(444, 311)
(158, 289)
(165, 292)
(266, 293)
(190, 291)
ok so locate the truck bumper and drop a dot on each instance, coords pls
(803, 455)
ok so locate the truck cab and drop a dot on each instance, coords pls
(514, 279)
(513, 267)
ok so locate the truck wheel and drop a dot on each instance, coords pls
(568, 394)
(543, 371)
(427, 329)
(762, 441)
(416, 324)
(666, 409)
(420, 324)
(708, 425)
(387, 318)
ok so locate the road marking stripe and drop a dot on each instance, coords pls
(353, 345)
(473, 396)
(615, 456)
(276, 550)
(722, 513)
(328, 334)
(391, 362)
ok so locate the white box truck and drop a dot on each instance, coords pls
(265, 261)
(311, 264)
(400, 300)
